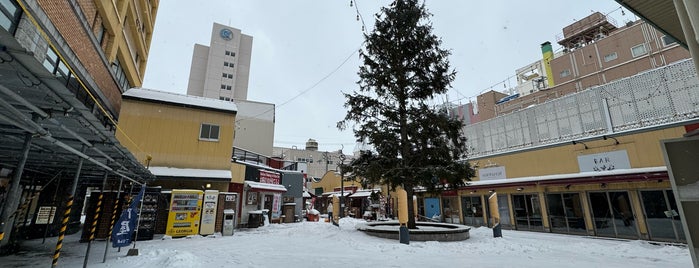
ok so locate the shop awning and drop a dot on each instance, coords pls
(364, 193)
(191, 173)
(264, 187)
(582, 177)
(306, 194)
(361, 194)
(336, 193)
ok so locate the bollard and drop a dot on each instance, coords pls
(62, 231)
(404, 233)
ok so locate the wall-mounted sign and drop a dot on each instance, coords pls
(45, 215)
(492, 173)
(604, 161)
(226, 34)
(269, 177)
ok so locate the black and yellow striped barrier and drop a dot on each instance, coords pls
(62, 231)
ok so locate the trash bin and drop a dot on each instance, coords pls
(228, 221)
(255, 219)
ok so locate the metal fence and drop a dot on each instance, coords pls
(654, 98)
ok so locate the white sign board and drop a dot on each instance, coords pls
(492, 173)
(45, 215)
(604, 161)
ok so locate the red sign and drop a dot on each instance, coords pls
(269, 177)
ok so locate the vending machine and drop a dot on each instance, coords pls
(185, 213)
(208, 214)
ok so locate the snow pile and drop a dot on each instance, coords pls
(311, 244)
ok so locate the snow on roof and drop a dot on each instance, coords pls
(169, 97)
(337, 193)
(265, 186)
(255, 164)
(570, 176)
(190, 172)
(364, 193)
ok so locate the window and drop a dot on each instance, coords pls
(232, 54)
(120, 75)
(610, 57)
(208, 132)
(228, 87)
(668, 40)
(565, 73)
(223, 86)
(225, 75)
(100, 34)
(9, 15)
(220, 98)
(225, 63)
(638, 50)
(230, 76)
(228, 53)
(231, 65)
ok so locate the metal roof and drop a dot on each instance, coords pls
(661, 14)
(34, 102)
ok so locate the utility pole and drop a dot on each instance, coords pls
(342, 184)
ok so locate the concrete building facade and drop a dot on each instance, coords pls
(317, 162)
(222, 69)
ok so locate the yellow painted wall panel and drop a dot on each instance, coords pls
(643, 150)
(171, 135)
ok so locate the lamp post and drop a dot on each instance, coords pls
(342, 184)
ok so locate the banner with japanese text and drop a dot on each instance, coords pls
(125, 226)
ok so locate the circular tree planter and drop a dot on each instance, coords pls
(427, 231)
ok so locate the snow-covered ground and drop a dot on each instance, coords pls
(320, 244)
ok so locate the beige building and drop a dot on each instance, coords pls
(317, 163)
(221, 71)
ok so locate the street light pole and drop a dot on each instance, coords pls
(342, 185)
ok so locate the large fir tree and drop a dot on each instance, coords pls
(404, 69)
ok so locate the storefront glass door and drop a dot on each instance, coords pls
(527, 212)
(662, 216)
(565, 213)
(612, 214)
(473, 210)
(504, 209)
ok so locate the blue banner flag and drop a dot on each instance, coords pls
(124, 227)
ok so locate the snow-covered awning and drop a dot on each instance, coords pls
(361, 194)
(564, 177)
(262, 187)
(365, 192)
(191, 173)
(306, 194)
(346, 193)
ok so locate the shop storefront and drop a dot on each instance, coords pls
(632, 203)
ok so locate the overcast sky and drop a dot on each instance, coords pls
(305, 52)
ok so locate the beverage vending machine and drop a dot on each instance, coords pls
(208, 214)
(185, 213)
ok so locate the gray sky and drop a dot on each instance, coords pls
(299, 48)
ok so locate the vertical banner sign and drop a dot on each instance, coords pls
(127, 223)
(276, 206)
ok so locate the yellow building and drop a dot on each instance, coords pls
(186, 137)
(588, 163)
(124, 30)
